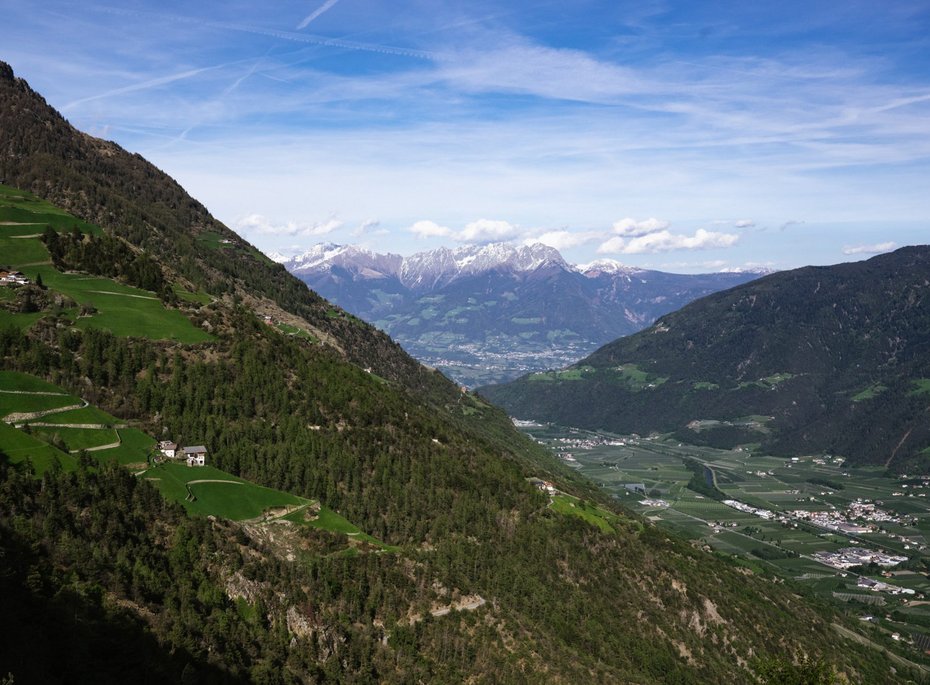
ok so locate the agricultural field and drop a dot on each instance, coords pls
(121, 309)
(67, 428)
(208, 491)
(19, 447)
(649, 476)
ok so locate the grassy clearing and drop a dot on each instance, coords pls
(232, 497)
(85, 415)
(15, 320)
(24, 207)
(19, 447)
(135, 448)
(122, 309)
(596, 516)
(188, 296)
(288, 329)
(214, 240)
(327, 519)
(18, 252)
(19, 404)
(77, 438)
(24, 382)
(872, 391)
(921, 386)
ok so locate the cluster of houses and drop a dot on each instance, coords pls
(196, 455)
(12, 278)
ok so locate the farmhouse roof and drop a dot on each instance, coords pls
(195, 449)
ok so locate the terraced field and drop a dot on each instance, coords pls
(119, 308)
(58, 435)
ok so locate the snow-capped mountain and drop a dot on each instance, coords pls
(323, 256)
(490, 312)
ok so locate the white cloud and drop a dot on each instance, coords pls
(878, 248)
(430, 229)
(615, 245)
(666, 241)
(744, 223)
(632, 228)
(565, 240)
(262, 225)
(371, 226)
(487, 230)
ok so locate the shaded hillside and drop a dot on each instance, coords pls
(833, 359)
(485, 582)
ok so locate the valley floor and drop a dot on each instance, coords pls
(841, 534)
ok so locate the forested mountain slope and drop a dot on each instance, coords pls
(484, 581)
(826, 359)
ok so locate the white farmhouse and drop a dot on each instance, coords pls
(168, 448)
(196, 455)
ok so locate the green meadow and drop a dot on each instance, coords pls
(134, 449)
(87, 415)
(76, 439)
(596, 516)
(121, 309)
(19, 446)
(327, 519)
(220, 493)
(21, 404)
(24, 382)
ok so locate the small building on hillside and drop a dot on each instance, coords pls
(168, 448)
(196, 455)
(13, 278)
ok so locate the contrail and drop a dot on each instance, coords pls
(145, 85)
(285, 35)
(325, 6)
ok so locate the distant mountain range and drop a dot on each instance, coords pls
(821, 359)
(489, 313)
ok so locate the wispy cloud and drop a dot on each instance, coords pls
(877, 248)
(480, 231)
(144, 85)
(262, 225)
(566, 240)
(488, 230)
(665, 241)
(632, 228)
(430, 229)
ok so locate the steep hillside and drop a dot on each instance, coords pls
(483, 576)
(484, 313)
(826, 359)
(99, 182)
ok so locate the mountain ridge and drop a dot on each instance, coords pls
(834, 356)
(490, 312)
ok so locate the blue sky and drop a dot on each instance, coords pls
(689, 136)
